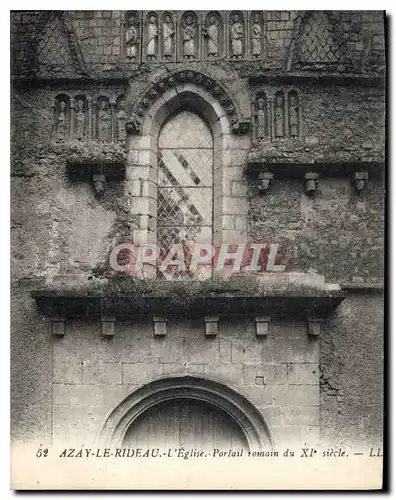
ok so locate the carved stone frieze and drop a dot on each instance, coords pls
(84, 117)
(180, 36)
(277, 113)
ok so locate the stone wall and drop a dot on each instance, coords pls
(352, 373)
(278, 374)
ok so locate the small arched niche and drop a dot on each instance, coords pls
(261, 112)
(151, 36)
(237, 35)
(131, 35)
(103, 119)
(189, 36)
(168, 36)
(294, 114)
(256, 34)
(62, 118)
(80, 126)
(279, 115)
(213, 36)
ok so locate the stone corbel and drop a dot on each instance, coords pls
(262, 325)
(241, 128)
(99, 184)
(107, 326)
(311, 181)
(58, 326)
(359, 181)
(133, 125)
(314, 327)
(211, 326)
(264, 181)
(160, 326)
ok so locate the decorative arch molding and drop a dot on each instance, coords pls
(142, 170)
(172, 81)
(292, 58)
(31, 64)
(244, 413)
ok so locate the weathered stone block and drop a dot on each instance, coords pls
(302, 395)
(303, 373)
(271, 374)
(289, 350)
(203, 351)
(227, 373)
(297, 415)
(273, 415)
(167, 349)
(102, 373)
(104, 397)
(235, 205)
(145, 206)
(238, 188)
(224, 351)
(183, 369)
(244, 351)
(139, 373)
(67, 372)
(212, 326)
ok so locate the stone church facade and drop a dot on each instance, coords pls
(222, 127)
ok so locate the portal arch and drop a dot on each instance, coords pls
(243, 414)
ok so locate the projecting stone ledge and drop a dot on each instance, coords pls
(292, 295)
(295, 157)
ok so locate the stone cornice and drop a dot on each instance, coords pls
(135, 297)
(302, 78)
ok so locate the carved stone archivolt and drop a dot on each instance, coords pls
(194, 35)
(85, 117)
(135, 120)
(277, 114)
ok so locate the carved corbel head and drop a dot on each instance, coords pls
(264, 181)
(99, 183)
(238, 127)
(133, 125)
(311, 181)
(359, 181)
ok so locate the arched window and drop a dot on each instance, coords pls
(183, 169)
(185, 181)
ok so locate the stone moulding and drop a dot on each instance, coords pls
(171, 81)
(87, 163)
(304, 77)
(292, 303)
(249, 419)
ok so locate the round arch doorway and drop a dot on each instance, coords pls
(235, 412)
(185, 423)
